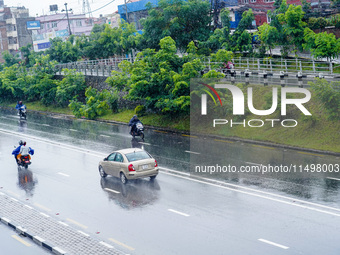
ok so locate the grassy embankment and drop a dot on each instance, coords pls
(316, 132)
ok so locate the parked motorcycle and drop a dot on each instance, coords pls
(138, 130)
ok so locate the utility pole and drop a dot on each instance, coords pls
(68, 20)
(126, 12)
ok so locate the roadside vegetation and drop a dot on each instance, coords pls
(156, 86)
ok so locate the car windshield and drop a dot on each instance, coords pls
(137, 155)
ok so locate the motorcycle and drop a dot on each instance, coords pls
(22, 112)
(138, 130)
(25, 162)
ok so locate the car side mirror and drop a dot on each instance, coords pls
(105, 159)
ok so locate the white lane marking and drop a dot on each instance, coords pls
(63, 174)
(274, 244)
(84, 234)
(208, 181)
(107, 136)
(180, 213)
(42, 207)
(121, 244)
(46, 125)
(2, 194)
(265, 197)
(106, 244)
(16, 200)
(77, 223)
(332, 178)
(73, 130)
(192, 152)
(144, 143)
(29, 207)
(178, 174)
(63, 223)
(111, 190)
(251, 163)
(45, 215)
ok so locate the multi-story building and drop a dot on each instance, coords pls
(13, 29)
(261, 7)
(56, 25)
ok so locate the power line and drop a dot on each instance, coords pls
(100, 7)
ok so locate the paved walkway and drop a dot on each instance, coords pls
(50, 233)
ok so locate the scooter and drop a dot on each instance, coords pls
(25, 162)
(138, 131)
(22, 112)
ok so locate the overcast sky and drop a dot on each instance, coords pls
(42, 6)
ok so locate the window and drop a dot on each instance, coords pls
(253, 1)
(245, 1)
(54, 24)
(48, 25)
(111, 157)
(269, 19)
(119, 158)
(138, 155)
(78, 23)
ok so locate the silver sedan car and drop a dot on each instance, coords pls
(129, 164)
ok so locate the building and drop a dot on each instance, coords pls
(113, 19)
(260, 7)
(13, 29)
(56, 25)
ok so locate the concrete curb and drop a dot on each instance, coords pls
(38, 240)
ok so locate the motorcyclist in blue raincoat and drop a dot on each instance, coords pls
(22, 150)
(133, 123)
(19, 105)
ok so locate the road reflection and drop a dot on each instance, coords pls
(136, 194)
(26, 181)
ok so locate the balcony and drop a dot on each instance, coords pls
(12, 34)
(11, 21)
(13, 46)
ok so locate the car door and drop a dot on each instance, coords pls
(118, 161)
(108, 164)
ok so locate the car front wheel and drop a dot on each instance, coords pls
(102, 172)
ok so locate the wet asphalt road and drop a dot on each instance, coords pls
(176, 214)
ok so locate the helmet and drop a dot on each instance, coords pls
(20, 102)
(24, 143)
(21, 142)
(135, 116)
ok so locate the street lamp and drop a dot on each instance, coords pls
(68, 20)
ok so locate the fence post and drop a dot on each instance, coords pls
(282, 79)
(330, 67)
(265, 78)
(246, 74)
(314, 66)
(258, 65)
(271, 66)
(286, 66)
(299, 75)
(247, 63)
(300, 67)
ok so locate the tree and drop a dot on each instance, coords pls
(268, 36)
(184, 21)
(322, 45)
(241, 39)
(10, 59)
(63, 52)
(293, 25)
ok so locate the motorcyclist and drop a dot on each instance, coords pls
(22, 150)
(133, 123)
(19, 105)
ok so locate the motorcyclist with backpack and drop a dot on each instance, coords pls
(22, 150)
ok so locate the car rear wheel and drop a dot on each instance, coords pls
(123, 178)
(102, 172)
(152, 177)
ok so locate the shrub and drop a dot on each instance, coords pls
(140, 110)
